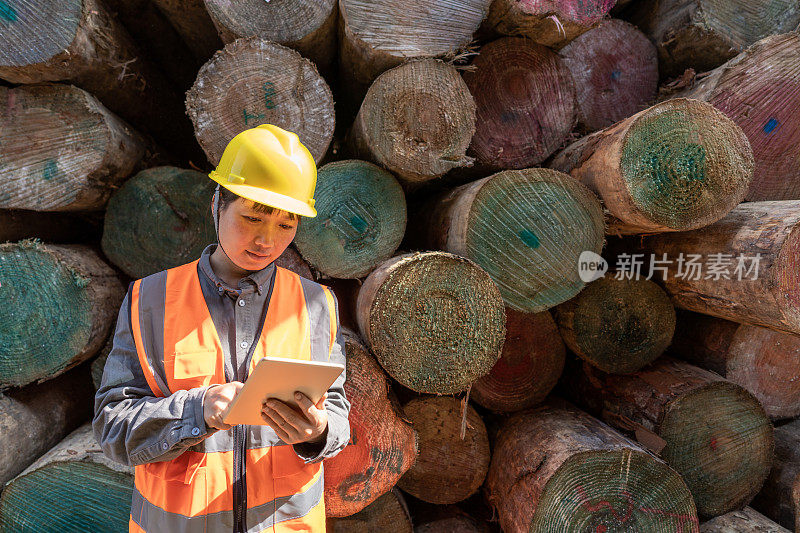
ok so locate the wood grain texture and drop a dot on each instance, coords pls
(252, 82)
(780, 497)
(746, 520)
(388, 513)
(676, 166)
(61, 149)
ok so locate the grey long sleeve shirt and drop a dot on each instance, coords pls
(134, 427)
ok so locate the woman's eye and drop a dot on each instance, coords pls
(286, 226)
(253, 219)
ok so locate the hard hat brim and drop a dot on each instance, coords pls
(272, 199)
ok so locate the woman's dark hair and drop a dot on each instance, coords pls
(226, 198)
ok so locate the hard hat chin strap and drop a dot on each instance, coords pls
(215, 215)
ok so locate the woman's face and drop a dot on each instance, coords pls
(254, 239)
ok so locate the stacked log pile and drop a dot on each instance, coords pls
(513, 214)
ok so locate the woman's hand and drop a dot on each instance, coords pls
(216, 402)
(293, 426)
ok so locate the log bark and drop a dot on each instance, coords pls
(61, 150)
(70, 296)
(703, 34)
(416, 120)
(449, 469)
(191, 20)
(156, 36)
(252, 82)
(552, 24)
(291, 260)
(454, 524)
(34, 418)
(388, 513)
(759, 90)
(780, 497)
(73, 487)
(308, 27)
(711, 431)
(528, 369)
(555, 468)
(745, 521)
(361, 219)
(383, 443)
(676, 166)
(159, 219)
(763, 361)
(378, 35)
(434, 321)
(615, 68)
(754, 277)
(618, 325)
(16, 225)
(514, 224)
(525, 100)
(79, 42)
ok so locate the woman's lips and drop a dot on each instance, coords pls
(257, 256)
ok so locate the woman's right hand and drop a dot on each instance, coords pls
(216, 402)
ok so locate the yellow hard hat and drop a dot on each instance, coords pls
(269, 165)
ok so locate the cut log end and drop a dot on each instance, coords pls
(435, 321)
(685, 164)
(618, 325)
(532, 361)
(361, 219)
(33, 35)
(387, 513)
(710, 452)
(281, 22)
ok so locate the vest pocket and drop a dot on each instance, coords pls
(182, 469)
(285, 462)
(195, 368)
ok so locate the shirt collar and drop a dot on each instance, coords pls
(258, 279)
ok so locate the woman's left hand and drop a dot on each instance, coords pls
(293, 426)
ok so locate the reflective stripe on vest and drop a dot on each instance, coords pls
(179, 348)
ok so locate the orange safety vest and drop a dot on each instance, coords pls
(196, 491)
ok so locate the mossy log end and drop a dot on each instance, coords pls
(679, 165)
(159, 219)
(757, 251)
(760, 91)
(552, 24)
(34, 418)
(449, 469)
(763, 361)
(618, 325)
(73, 487)
(703, 34)
(71, 301)
(361, 219)
(61, 149)
(526, 228)
(308, 27)
(383, 443)
(388, 513)
(713, 432)
(525, 100)
(555, 468)
(615, 68)
(252, 82)
(532, 362)
(780, 497)
(435, 321)
(417, 121)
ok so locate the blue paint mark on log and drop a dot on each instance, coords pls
(7, 12)
(615, 75)
(50, 169)
(358, 223)
(770, 125)
(529, 238)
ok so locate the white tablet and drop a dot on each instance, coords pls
(276, 377)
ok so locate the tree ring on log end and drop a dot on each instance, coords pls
(34, 32)
(685, 164)
(787, 274)
(721, 442)
(763, 18)
(39, 294)
(527, 229)
(437, 322)
(282, 22)
(619, 490)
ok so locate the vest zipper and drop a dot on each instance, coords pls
(239, 481)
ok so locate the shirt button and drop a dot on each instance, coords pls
(243, 344)
(241, 303)
(195, 431)
(221, 290)
(164, 445)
